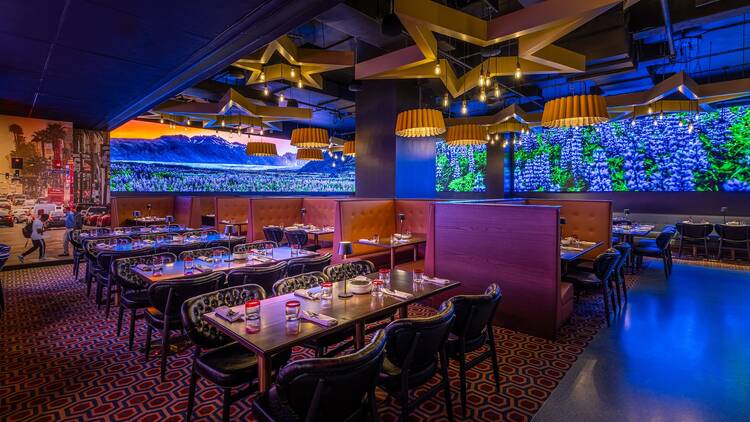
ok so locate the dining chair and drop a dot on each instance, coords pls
(216, 357)
(166, 298)
(695, 235)
(600, 280)
(625, 250)
(104, 279)
(308, 264)
(348, 270)
(264, 276)
(133, 288)
(656, 248)
(296, 238)
(471, 331)
(258, 244)
(206, 252)
(300, 281)
(75, 240)
(734, 236)
(4, 255)
(328, 389)
(274, 234)
(415, 352)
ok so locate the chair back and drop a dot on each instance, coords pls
(264, 276)
(105, 258)
(665, 237)
(177, 248)
(605, 263)
(4, 254)
(258, 244)
(274, 234)
(300, 281)
(296, 237)
(625, 249)
(413, 343)
(695, 230)
(308, 264)
(207, 252)
(474, 314)
(733, 233)
(123, 274)
(202, 333)
(332, 389)
(347, 270)
(168, 296)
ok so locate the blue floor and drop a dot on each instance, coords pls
(680, 351)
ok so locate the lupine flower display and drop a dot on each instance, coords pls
(649, 154)
(460, 168)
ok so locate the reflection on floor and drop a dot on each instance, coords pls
(13, 237)
(681, 352)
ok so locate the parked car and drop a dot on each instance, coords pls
(21, 214)
(57, 217)
(91, 215)
(4, 204)
(6, 218)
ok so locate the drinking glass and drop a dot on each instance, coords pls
(291, 310)
(376, 238)
(158, 266)
(385, 275)
(377, 288)
(327, 292)
(252, 316)
(418, 275)
(216, 257)
(189, 265)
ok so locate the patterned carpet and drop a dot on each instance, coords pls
(60, 359)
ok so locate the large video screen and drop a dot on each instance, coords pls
(460, 168)
(151, 157)
(709, 151)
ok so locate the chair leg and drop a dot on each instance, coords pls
(462, 380)
(109, 299)
(495, 365)
(98, 295)
(164, 348)
(227, 405)
(148, 341)
(403, 399)
(665, 263)
(131, 333)
(721, 244)
(624, 287)
(606, 302)
(446, 385)
(679, 253)
(120, 313)
(191, 391)
(87, 276)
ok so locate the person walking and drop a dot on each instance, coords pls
(69, 226)
(37, 238)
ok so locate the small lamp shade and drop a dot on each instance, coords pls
(169, 219)
(401, 217)
(626, 211)
(562, 220)
(230, 230)
(724, 209)
(148, 206)
(136, 214)
(345, 248)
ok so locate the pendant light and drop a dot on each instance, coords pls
(497, 90)
(466, 134)
(292, 73)
(261, 149)
(299, 83)
(482, 95)
(262, 76)
(309, 137)
(310, 154)
(281, 98)
(517, 73)
(575, 110)
(265, 89)
(446, 102)
(464, 109)
(420, 122)
(350, 149)
(437, 68)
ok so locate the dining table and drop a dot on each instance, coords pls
(274, 333)
(238, 224)
(137, 231)
(313, 231)
(104, 245)
(575, 250)
(176, 270)
(395, 243)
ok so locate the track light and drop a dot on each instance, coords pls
(517, 73)
(446, 102)
(438, 71)
(464, 110)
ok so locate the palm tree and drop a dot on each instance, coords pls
(17, 132)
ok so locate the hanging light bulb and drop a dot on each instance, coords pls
(488, 136)
(265, 89)
(690, 127)
(281, 98)
(252, 129)
(437, 68)
(292, 72)
(632, 122)
(161, 120)
(497, 90)
(505, 144)
(261, 131)
(222, 123)
(464, 110)
(446, 102)
(497, 137)
(481, 78)
(482, 95)
(299, 83)
(661, 116)
(262, 76)
(334, 164)
(517, 73)
(650, 110)
(492, 142)
(188, 121)
(343, 158)
(487, 78)
(655, 122)
(681, 123)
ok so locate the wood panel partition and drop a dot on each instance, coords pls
(516, 246)
(272, 211)
(123, 207)
(231, 208)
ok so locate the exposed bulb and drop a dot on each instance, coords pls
(343, 158)
(292, 72)
(481, 79)
(464, 110)
(334, 164)
(188, 122)
(492, 142)
(262, 76)
(497, 90)
(487, 79)
(517, 73)
(497, 137)
(488, 136)
(161, 120)
(446, 102)
(437, 68)
(690, 127)
(655, 122)
(265, 90)
(680, 124)
(222, 123)
(650, 110)
(281, 98)
(505, 144)
(661, 116)
(632, 122)
(482, 96)
(299, 83)
(261, 131)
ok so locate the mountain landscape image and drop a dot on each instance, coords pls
(210, 163)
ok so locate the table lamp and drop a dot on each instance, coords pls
(401, 219)
(302, 212)
(229, 231)
(626, 211)
(345, 248)
(148, 209)
(724, 213)
(169, 219)
(136, 214)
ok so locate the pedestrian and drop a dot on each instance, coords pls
(37, 239)
(69, 226)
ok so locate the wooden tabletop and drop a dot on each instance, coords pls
(415, 239)
(571, 253)
(176, 269)
(276, 334)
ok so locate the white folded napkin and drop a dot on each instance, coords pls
(319, 319)
(436, 280)
(226, 313)
(310, 294)
(366, 241)
(398, 294)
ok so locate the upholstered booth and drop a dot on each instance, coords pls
(123, 207)
(189, 209)
(232, 208)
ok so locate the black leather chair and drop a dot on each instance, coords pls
(471, 331)
(178, 249)
(258, 244)
(625, 250)
(348, 270)
(328, 389)
(601, 279)
(301, 281)
(215, 356)
(274, 234)
(264, 276)
(166, 298)
(207, 252)
(296, 238)
(75, 240)
(415, 352)
(133, 289)
(656, 248)
(308, 264)
(4, 255)
(103, 275)
(733, 236)
(695, 235)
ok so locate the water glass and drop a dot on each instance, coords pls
(216, 257)
(189, 264)
(376, 238)
(418, 275)
(158, 266)
(377, 288)
(292, 310)
(385, 275)
(252, 316)
(327, 290)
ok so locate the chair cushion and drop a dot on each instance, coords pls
(228, 366)
(390, 375)
(587, 266)
(155, 319)
(135, 299)
(647, 251)
(581, 278)
(453, 346)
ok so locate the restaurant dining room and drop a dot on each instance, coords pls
(375, 210)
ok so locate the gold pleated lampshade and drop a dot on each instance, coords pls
(310, 154)
(510, 126)
(261, 149)
(349, 149)
(575, 110)
(466, 135)
(420, 123)
(310, 137)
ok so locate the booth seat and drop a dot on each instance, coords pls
(566, 303)
(272, 211)
(360, 219)
(232, 208)
(321, 212)
(123, 207)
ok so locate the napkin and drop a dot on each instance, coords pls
(436, 280)
(319, 319)
(366, 241)
(398, 294)
(310, 294)
(226, 313)
(205, 259)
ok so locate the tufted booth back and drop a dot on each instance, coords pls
(319, 211)
(416, 212)
(361, 219)
(301, 281)
(127, 278)
(123, 207)
(347, 270)
(272, 211)
(588, 220)
(231, 208)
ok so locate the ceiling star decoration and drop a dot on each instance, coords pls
(303, 64)
(536, 27)
(233, 111)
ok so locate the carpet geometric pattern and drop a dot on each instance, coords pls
(60, 359)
